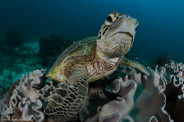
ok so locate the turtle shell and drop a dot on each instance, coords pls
(80, 48)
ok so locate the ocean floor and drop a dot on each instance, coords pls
(16, 61)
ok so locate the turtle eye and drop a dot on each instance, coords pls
(110, 20)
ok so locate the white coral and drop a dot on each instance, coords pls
(28, 96)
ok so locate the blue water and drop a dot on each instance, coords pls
(160, 30)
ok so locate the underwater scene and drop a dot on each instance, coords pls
(91, 61)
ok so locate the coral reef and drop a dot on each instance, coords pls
(175, 90)
(162, 60)
(16, 61)
(27, 98)
(20, 59)
(126, 95)
(137, 97)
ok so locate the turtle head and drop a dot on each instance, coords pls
(116, 35)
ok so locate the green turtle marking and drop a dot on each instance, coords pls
(89, 60)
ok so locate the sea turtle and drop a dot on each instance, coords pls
(89, 60)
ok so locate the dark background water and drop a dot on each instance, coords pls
(160, 30)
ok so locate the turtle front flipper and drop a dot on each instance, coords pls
(134, 64)
(68, 98)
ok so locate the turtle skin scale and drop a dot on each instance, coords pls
(67, 100)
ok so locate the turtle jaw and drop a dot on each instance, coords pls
(122, 40)
(130, 35)
(124, 36)
(116, 45)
